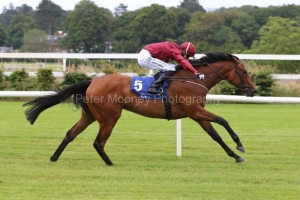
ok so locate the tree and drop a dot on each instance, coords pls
(229, 16)
(192, 6)
(121, 25)
(88, 27)
(153, 24)
(228, 40)
(35, 41)
(18, 26)
(24, 9)
(261, 15)
(7, 15)
(247, 27)
(285, 11)
(120, 10)
(183, 18)
(122, 43)
(279, 36)
(47, 15)
(203, 26)
(3, 36)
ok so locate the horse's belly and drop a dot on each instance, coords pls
(147, 108)
(154, 109)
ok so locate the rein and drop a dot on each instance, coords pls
(180, 79)
(195, 84)
(244, 86)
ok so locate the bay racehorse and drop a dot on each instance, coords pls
(103, 98)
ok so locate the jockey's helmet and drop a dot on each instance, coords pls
(189, 49)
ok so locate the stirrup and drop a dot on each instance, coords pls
(153, 90)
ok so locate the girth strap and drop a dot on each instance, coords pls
(167, 107)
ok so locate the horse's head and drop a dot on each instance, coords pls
(229, 68)
(240, 78)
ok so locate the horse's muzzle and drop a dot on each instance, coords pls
(250, 91)
(253, 92)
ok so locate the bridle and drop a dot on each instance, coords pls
(238, 72)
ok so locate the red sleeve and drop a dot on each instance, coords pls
(186, 65)
(183, 62)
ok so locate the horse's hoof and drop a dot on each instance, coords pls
(53, 159)
(241, 149)
(239, 160)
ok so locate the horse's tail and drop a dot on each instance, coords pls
(40, 104)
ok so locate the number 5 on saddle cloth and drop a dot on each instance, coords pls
(140, 85)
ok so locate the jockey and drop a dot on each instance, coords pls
(158, 56)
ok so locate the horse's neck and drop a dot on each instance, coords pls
(211, 80)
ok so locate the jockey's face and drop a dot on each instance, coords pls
(183, 53)
(186, 56)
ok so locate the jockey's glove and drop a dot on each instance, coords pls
(200, 76)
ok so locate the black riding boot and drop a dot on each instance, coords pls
(156, 87)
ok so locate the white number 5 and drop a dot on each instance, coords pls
(138, 85)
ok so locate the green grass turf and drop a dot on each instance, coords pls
(144, 153)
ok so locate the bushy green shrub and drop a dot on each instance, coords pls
(18, 76)
(228, 89)
(2, 79)
(45, 78)
(262, 79)
(20, 81)
(264, 82)
(75, 77)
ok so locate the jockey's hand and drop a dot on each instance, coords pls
(200, 76)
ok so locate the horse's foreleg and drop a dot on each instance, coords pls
(102, 137)
(233, 135)
(216, 137)
(80, 126)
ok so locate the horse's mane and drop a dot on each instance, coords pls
(212, 57)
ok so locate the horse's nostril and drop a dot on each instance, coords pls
(254, 91)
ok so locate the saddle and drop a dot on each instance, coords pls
(140, 85)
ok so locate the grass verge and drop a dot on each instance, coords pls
(144, 153)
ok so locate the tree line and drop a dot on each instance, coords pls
(91, 29)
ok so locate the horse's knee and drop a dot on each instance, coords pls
(98, 146)
(217, 138)
(222, 121)
(69, 137)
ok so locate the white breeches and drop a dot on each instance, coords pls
(147, 61)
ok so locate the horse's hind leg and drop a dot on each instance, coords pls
(102, 137)
(216, 137)
(84, 121)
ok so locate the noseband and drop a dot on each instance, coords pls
(244, 86)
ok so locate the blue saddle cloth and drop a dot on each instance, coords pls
(140, 85)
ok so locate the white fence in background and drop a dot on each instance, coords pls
(212, 98)
(65, 56)
(134, 56)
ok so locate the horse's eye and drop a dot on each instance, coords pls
(245, 72)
